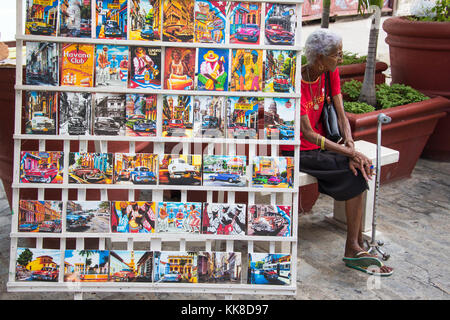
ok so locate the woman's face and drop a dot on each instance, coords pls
(331, 61)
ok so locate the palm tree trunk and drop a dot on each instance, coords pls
(325, 14)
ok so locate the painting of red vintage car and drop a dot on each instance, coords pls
(276, 34)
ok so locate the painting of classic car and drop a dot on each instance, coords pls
(140, 115)
(245, 22)
(109, 114)
(280, 24)
(221, 170)
(273, 172)
(37, 264)
(276, 34)
(135, 168)
(87, 168)
(41, 112)
(106, 126)
(41, 167)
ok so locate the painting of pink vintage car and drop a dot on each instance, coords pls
(41, 167)
(248, 32)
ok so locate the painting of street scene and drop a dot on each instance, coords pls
(242, 117)
(247, 70)
(224, 218)
(88, 216)
(111, 19)
(174, 266)
(145, 20)
(42, 66)
(41, 17)
(279, 69)
(178, 116)
(213, 69)
(140, 115)
(219, 267)
(178, 20)
(133, 216)
(130, 266)
(210, 21)
(135, 168)
(41, 112)
(37, 264)
(75, 18)
(41, 167)
(280, 24)
(180, 169)
(279, 115)
(224, 171)
(75, 113)
(209, 117)
(109, 114)
(144, 68)
(87, 168)
(269, 268)
(86, 265)
(179, 68)
(245, 22)
(273, 172)
(179, 217)
(40, 216)
(111, 63)
(269, 220)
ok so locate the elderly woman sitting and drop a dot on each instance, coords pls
(341, 171)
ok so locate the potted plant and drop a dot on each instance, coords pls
(419, 50)
(354, 66)
(414, 117)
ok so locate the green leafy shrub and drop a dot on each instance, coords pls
(357, 107)
(352, 58)
(351, 89)
(440, 12)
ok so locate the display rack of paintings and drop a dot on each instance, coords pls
(168, 96)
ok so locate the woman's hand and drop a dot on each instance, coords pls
(364, 164)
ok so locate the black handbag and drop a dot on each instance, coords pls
(329, 115)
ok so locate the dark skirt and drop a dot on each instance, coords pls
(332, 172)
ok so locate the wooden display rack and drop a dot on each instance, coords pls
(155, 241)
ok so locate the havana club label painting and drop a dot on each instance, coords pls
(75, 113)
(88, 216)
(41, 112)
(280, 71)
(242, 117)
(111, 66)
(210, 21)
(279, 114)
(130, 266)
(224, 171)
(89, 168)
(219, 267)
(75, 18)
(178, 116)
(133, 216)
(111, 19)
(144, 68)
(280, 24)
(77, 65)
(209, 116)
(224, 218)
(178, 20)
(245, 23)
(175, 266)
(179, 217)
(145, 16)
(179, 69)
(109, 114)
(269, 220)
(135, 168)
(140, 115)
(269, 268)
(86, 265)
(40, 216)
(180, 169)
(38, 264)
(42, 66)
(41, 17)
(41, 167)
(273, 172)
(247, 70)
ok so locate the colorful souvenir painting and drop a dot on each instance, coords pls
(40, 216)
(247, 70)
(38, 264)
(245, 22)
(77, 65)
(219, 267)
(133, 216)
(268, 220)
(269, 268)
(130, 266)
(141, 115)
(88, 216)
(86, 265)
(42, 67)
(179, 69)
(209, 116)
(41, 112)
(111, 19)
(280, 71)
(210, 21)
(224, 171)
(273, 172)
(224, 218)
(110, 64)
(178, 20)
(41, 167)
(179, 217)
(279, 114)
(75, 18)
(88, 168)
(109, 114)
(180, 169)
(135, 168)
(145, 16)
(145, 68)
(75, 112)
(212, 69)
(41, 17)
(175, 266)
(280, 24)
(242, 116)
(178, 116)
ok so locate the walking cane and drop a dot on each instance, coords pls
(374, 245)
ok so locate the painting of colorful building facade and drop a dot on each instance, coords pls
(210, 21)
(178, 20)
(219, 267)
(280, 24)
(86, 265)
(130, 266)
(37, 264)
(41, 112)
(247, 70)
(140, 115)
(269, 268)
(279, 114)
(279, 70)
(209, 116)
(173, 266)
(111, 19)
(242, 117)
(224, 171)
(40, 216)
(273, 172)
(178, 116)
(41, 17)
(245, 22)
(135, 168)
(145, 16)
(88, 168)
(41, 167)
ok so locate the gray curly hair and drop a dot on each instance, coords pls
(321, 41)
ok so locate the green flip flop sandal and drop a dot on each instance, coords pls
(365, 261)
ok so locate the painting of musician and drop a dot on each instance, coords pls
(107, 69)
(144, 68)
(212, 69)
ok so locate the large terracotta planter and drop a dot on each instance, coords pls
(408, 132)
(356, 71)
